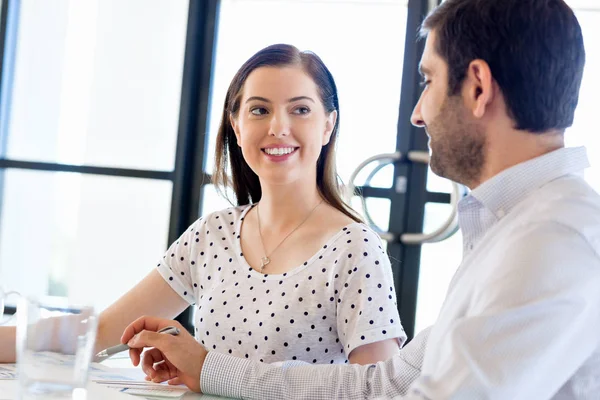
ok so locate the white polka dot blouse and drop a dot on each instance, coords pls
(341, 298)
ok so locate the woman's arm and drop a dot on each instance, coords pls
(7, 344)
(368, 322)
(372, 353)
(152, 296)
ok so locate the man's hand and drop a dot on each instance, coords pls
(176, 359)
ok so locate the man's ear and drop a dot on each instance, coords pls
(329, 125)
(478, 87)
(234, 126)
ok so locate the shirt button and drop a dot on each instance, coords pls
(500, 213)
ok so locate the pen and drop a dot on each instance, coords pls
(170, 330)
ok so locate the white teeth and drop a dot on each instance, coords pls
(280, 151)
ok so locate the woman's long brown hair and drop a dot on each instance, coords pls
(228, 155)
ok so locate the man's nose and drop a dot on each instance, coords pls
(416, 118)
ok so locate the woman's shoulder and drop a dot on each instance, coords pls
(356, 242)
(230, 214)
(358, 234)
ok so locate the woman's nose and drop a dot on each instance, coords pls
(280, 126)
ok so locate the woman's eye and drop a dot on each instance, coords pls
(301, 110)
(258, 111)
(425, 83)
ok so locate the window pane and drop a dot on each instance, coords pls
(584, 4)
(366, 61)
(584, 129)
(381, 175)
(439, 261)
(213, 201)
(98, 82)
(378, 210)
(438, 184)
(85, 236)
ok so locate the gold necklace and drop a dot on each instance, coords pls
(264, 261)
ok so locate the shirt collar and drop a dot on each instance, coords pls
(505, 190)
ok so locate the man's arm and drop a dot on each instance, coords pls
(239, 378)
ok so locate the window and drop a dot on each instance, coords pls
(583, 132)
(366, 63)
(95, 84)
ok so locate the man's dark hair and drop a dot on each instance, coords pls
(534, 49)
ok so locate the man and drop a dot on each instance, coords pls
(522, 314)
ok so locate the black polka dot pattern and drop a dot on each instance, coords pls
(336, 300)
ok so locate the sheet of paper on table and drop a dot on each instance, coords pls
(8, 371)
(124, 380)
(131, 381)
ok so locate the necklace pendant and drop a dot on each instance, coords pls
(264, 261)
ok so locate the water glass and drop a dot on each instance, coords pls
(55, 343)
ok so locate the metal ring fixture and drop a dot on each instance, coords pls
(447, 229)
(384, 159)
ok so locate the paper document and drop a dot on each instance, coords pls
(132, 381)
(125, 380)
(150, 391)
(8, 371)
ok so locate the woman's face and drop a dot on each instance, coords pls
(282, 125)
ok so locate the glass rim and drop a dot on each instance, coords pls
(55, 303)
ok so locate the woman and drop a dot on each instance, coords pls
(290, 273)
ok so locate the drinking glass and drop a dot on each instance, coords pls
(55, 343)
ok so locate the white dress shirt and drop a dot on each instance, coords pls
(521, 319)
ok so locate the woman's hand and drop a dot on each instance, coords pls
(176, 359)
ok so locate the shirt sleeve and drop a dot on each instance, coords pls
(176, 265)
(366, 303)
(229, 376)
(534, 324)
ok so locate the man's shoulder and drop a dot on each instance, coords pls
(568, 201)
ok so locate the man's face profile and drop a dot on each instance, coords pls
(456, 141)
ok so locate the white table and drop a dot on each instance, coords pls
(97, 391)
(8, 391)
(122, 360)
